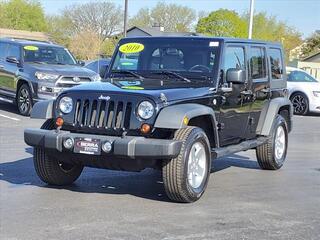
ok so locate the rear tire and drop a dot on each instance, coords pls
(186, 177)
(24, 100)
(50, 170)
(272, 154)
(300, 103)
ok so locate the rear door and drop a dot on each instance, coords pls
(4, 77)
(259, 81)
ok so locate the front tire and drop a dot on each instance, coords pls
(24, 100)
(49, 169)
(186, 177)
(272, 154)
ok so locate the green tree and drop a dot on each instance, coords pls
(22, 15)
(270, 29)
(312, 44)
(172, 17)
(222, 22)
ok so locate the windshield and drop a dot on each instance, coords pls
(178, 58)
(47, 54)
(299, 76)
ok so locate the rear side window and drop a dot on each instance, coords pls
(276, 63)
(3, 50)
(14, 51)
(258, 63)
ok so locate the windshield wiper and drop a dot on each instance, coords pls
(128, 72)
(170, 73)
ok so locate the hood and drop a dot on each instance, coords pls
(171, 94)
(65, 70)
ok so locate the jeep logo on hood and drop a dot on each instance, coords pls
(107, 98)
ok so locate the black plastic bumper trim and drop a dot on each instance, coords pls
(129, 146)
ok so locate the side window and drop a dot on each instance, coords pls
(276, 63)
(258, 63)
(14, 51)
(234, 58)
(3, 50)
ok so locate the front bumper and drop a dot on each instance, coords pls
(124, 147)
(314, 105)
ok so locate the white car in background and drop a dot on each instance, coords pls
(304, 91)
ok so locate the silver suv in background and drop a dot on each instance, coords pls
(32, 70)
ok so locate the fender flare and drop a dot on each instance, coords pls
(42, 110)
(269, 112)
(172, 117)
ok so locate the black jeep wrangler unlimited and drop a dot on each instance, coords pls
(31, 71)
(169, 103)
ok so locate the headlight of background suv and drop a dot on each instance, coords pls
(316, 93)
(145, 110)
(66, 104)
(96, 78)
(46, 76)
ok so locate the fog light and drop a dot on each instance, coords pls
(59, 121)
(107, 147)
(145, 128)
(68, 143)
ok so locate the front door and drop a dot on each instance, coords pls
(234, 109)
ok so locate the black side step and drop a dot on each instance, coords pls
(243, 146)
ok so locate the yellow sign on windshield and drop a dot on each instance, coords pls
(131, 48)
(31, 48)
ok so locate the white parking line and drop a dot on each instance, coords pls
(12, 118)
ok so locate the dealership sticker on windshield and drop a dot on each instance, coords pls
(132, 87)
(31, 48)
(214, 44)
(131, 48)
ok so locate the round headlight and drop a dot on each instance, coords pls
(145, 110)
(66, 104)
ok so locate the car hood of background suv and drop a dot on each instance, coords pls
(171, 95)
(65, 70)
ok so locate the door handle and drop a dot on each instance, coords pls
(247, 93)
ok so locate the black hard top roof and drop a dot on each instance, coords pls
(220, 39)
(24, 42)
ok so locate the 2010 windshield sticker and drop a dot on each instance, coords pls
(131, 48)
(31, 48)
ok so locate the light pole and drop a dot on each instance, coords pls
(251, 18)
(125, 18)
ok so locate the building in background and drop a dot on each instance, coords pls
(310, 63)
(156, 31)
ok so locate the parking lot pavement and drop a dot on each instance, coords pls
(241, 201)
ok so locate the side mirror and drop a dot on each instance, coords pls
(235, 75)
(11, 59)
(81, 63)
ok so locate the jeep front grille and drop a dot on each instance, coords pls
(102, 114)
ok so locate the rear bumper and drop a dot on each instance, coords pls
(123, 147)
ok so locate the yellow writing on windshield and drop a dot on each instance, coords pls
(131, 48)
(31, 48)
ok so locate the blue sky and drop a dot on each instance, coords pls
(304, 15)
